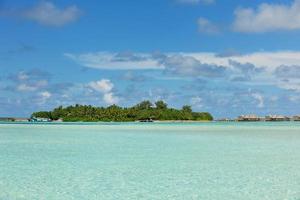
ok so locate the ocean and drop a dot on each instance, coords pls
(209, 161)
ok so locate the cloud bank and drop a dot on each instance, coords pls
(206, 26)
(280, 69)
(268, 17)
(115, 61)
(46, 13)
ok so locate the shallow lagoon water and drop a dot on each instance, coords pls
(215, 161)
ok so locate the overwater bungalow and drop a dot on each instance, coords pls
(6, 119)
(296, 118)
(249, 118)
(277, 118)
(149, 119)
(13, 119)
(21, 119)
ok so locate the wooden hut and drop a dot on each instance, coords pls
(249, 118)
(296, 118)
(277, 118)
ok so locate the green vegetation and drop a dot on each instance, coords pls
(141, 111)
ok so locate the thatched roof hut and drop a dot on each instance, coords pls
(296, 118)
(277, 118)
(251, 118)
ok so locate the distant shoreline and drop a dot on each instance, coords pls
(155, 121)
(181, 121)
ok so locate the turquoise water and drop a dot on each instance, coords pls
(209, 161)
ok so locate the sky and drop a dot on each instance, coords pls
(220, 56)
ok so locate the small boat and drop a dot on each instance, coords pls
(146, 120)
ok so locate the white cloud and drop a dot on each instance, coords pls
(47, 13)
(289, 84)
(294, 98)
(255, 68)
(189, 66)
(45, 94)
(43, 97)
(291, 71)
(23, 87)
(22, 76)
(110, 98)
(268, 17)
(103, 85)
(270, 60)
(111, 61)
(196, 102)
(206, 26)
(114, 61)
(260, 100)
(31, 86)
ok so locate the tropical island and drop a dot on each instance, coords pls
(143, 111)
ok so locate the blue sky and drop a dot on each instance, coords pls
(225, 57)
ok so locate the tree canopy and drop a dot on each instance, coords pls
(143, 110)
(161, 105)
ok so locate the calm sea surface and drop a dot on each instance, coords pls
(209, 161)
